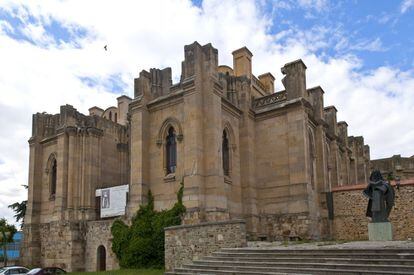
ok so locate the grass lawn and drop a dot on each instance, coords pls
(124, 272)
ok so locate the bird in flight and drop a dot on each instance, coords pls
(106, 47)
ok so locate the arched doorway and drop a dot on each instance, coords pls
(101, 258)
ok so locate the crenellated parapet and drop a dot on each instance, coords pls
(343, 133)
(232, 85)
(69, 120)
(157, 84)
(294, 80)
(316, 100)
(359, 158)
(330, 118)
(267, 82)
(44, 125)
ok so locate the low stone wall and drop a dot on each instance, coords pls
(285, 227)
(99, 233)
(185, 243)
(61, 245)
(350, 222)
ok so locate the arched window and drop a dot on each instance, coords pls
(110, 115)
(171, 151)
(226, 154)
(53, 178)
(116, 118)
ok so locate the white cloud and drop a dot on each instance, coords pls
(319, 5)
(368, 45)
(5, 27)
(37, 34)
(406, 5)
(346, 44)
(142, 35)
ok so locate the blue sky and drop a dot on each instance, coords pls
(378, 32)
(52, 53)
(59, 33)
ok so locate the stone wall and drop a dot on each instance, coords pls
(298, 226)
(350, 222)
(399, 166)
(62, 245)
(99, 233)
(71, 245)
(185, 243)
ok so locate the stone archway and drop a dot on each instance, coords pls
(101, 258)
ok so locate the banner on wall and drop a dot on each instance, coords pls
(113, 200)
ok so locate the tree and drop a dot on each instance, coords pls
(141, 245)
(7, 232)
(20, 209)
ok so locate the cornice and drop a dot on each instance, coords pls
(228, 106)
(165, 101)
(278, 109)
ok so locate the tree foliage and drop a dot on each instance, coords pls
(7, 230)
(19, 209)
(141, 245)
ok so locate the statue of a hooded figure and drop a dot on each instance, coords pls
(381, 198)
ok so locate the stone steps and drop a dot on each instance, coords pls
(276, 265)
(369, 251)
(187, 271)
(282, 270)
(304, 261)
(396, 261)
(316, 254)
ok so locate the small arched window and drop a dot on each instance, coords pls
(226, 154)
(116, 118)
(171, 151)
(110, 115)
(53, 178)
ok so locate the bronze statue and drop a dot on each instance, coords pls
(381, 197)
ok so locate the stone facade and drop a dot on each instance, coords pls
(69, 245)
(396, 165)
(98, 233)
(71, 155)
(186, 243)
(350, 222)
(243, 151)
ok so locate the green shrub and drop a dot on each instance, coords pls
(141, 245)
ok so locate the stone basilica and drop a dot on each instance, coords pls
(242, 150)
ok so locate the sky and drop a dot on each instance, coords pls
(360, 52)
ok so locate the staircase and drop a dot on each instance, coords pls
(304, 261)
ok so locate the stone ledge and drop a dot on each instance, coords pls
(103, 221)
(204, 224)
(362, 186)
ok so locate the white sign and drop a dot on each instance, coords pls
(113, 200)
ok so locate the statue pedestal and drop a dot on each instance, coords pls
(380, 231)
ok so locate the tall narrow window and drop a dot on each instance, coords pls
(312, 158)
(53, 178)
(226, 154)
(110, 115)
(116, 118)
(171, 151)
